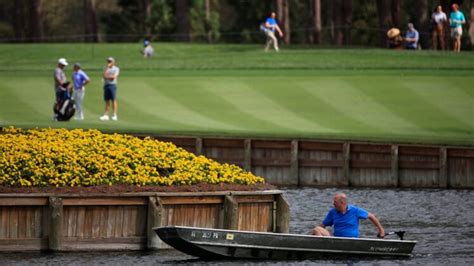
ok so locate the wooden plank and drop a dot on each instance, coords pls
(276, 144)
(321, 163)
(277, 162)
(126, 219)
(378, 164)
(320, 146)
(461, 153)
(22, 222)
(395, 166)
(294, 168)
(443, 168)
(12, 229)
(96, 214)
(370, 148)
(346, 155)
(10, 201)
(104, 201)
(56, 217)
(110, 221)
(416, 150)
(248, 199)
(80, 222)
(282, 214)
(404, 164)
(224, 143)
(248, 154)
(104, 217)
(231, 213)
(3, 221)
(23, 244)
(118, 222)
(198, 146)
(192, 200)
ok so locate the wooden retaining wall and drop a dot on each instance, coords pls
(123, 222)
(333, 163)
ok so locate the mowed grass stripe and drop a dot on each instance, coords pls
(405, 103)
(254, 103)
(308, 105)
(456, 103)
(153, 102)
(349, 100)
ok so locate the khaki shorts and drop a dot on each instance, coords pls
(456, 32)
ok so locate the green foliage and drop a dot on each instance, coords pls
(161, 18)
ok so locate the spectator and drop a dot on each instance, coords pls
(411, 37)
(438, 20)
(59, 82)
(456, 19)
(79, 80)
(148, 49)
(270, 26)
(111, 73)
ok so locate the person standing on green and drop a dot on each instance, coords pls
(456, 19)
(271, 26)
(110, 76)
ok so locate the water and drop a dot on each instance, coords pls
(442, 221)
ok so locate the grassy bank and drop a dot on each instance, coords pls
(238, 90)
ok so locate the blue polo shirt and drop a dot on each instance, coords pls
(272, 23)
(456, 18)
(347, 224)
(79, 78)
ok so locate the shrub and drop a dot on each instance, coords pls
(61, 157)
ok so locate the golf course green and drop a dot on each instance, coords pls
(241, 91)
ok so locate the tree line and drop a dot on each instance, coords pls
(322, 22)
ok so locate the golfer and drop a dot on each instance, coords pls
(79, 80)
(59, 81)
(271, 26)
(110, 76)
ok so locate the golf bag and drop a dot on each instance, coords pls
(65, 107)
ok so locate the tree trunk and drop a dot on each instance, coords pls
(330, 20)
(19, 17)
(385, 20)
(207, 7)
(36, 25)
(423, 22)
(283, 16)
(182, 20)
(471, 26)
(146, 17)
(339, 22)
(91, 27)
(347, 19)
(314, 36)
(396, 13)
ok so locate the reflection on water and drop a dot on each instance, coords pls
(442, 221)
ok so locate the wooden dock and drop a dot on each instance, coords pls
(341, 163)
(30, 222)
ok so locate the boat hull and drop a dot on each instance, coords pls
(210, 243)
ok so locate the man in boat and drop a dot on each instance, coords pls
(345, 219)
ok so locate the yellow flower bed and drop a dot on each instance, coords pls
(60, 157)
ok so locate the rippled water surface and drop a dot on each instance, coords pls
(442, 221)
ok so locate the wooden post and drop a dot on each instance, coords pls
(55, 223)
(346, 173)
(198, 146)
(443, 168)
(294, 168)
(282, 214)
(248, 155)
(231, 213)
(394, 168)
(155, 212)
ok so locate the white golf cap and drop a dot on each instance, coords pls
(110, 59)
(62, 61)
